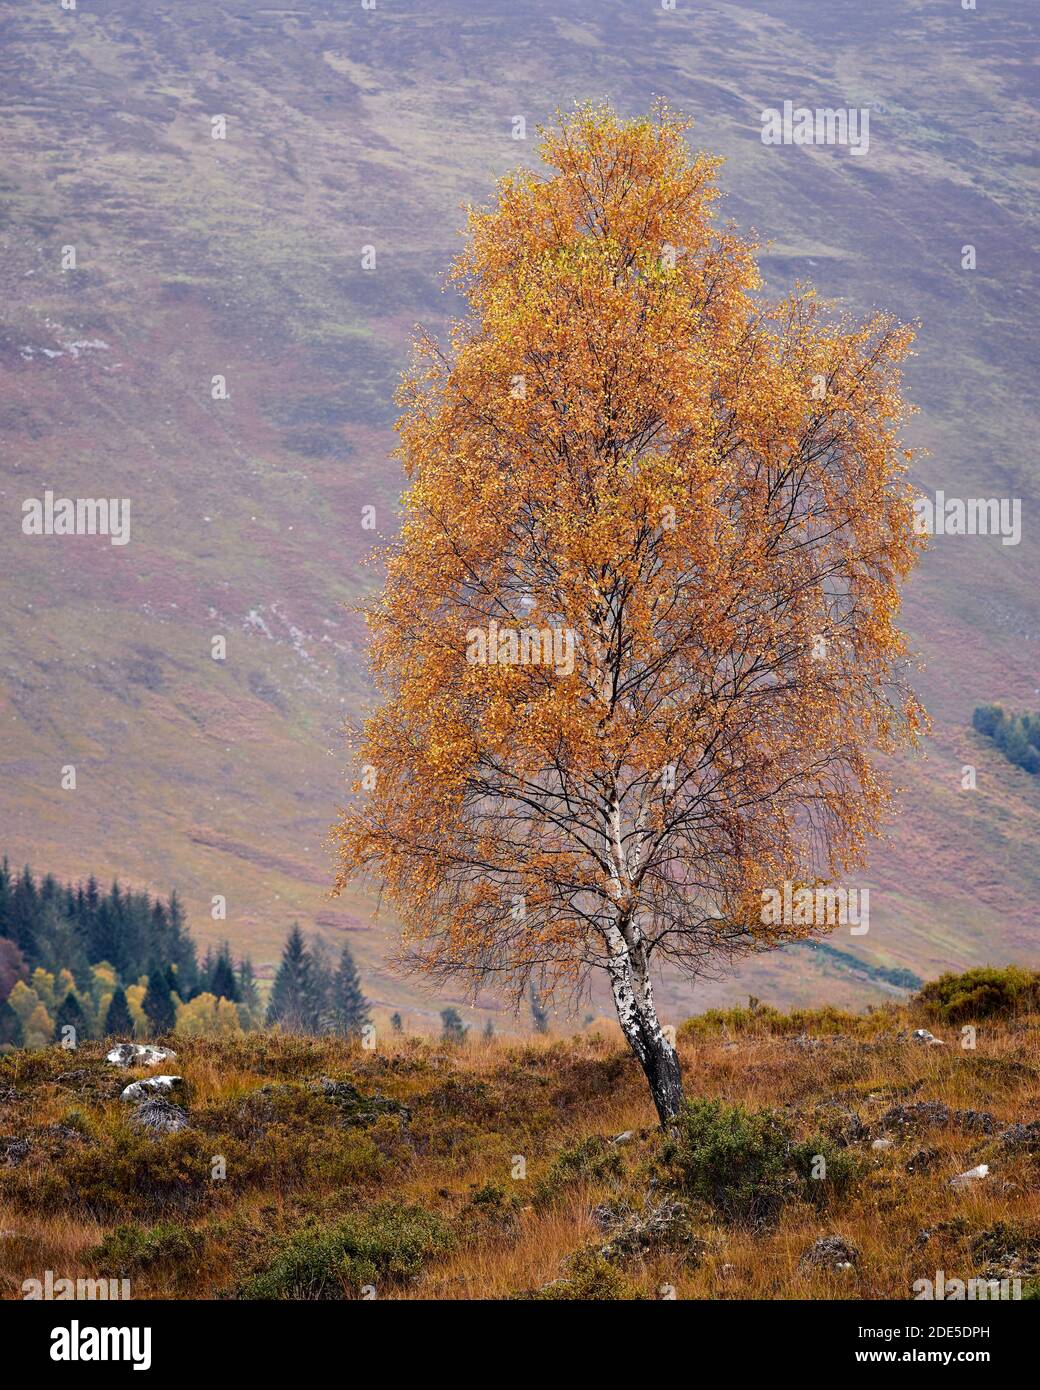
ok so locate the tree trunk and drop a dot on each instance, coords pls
(634, 1000)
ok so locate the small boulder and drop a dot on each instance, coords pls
(13, 1150)
(160, 1116)
(139, 1055)
(829, 1252)
(151, 1086)
(972, 1176)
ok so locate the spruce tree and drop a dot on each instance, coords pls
(350, 1012)
(118, 1022)
(70, 1015)
(158, 1005)
(453, 1030)
(289, 1004)
(222, 982)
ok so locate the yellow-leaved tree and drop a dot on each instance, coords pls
(636, 647)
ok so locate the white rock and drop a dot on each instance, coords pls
(139, 1055)
(972, 1175)
(150, 1086)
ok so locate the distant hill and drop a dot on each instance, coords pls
(242, 258)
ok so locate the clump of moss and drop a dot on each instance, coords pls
(389, 1242)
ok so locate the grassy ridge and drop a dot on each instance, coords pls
(499, 1169)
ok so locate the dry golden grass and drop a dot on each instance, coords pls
(298, 1162)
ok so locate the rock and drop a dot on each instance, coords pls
(13, 1150)
(972, 1176)
(150, 1086)
(879, 1145)
(922, 1035)
(139, 1055)
(159, 1115)
(829, 1252)
(666, 1226)
(624, 1138)
(358, 1109)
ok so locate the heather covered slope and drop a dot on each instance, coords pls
(243, 258)
(308, 1168)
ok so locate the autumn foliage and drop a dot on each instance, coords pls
(627, 455)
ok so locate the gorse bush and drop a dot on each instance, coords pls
(986, 992)
(388, 1242)
(745, 1165)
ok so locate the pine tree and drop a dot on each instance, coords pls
(289, 1004)
(222, 982)
(453, 1028)
(118, 1023)
(350, 1012)
(158, 1004)
(70, 1015)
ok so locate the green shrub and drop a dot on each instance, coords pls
(841, 1169)
(986, 992)
(762, 1020)
(590, 1277)
(592, 1160)
(745, 1165)
(389, 1242)
(736, 1160)
(131, 1249)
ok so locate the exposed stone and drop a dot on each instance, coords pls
(159, 1115)
(666, 1226)
(829, 1252)
(150, 1086)
(139, 1055)
(972, 1176)
(13, 1150)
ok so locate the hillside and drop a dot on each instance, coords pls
(293, 1168)
(242, 258)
